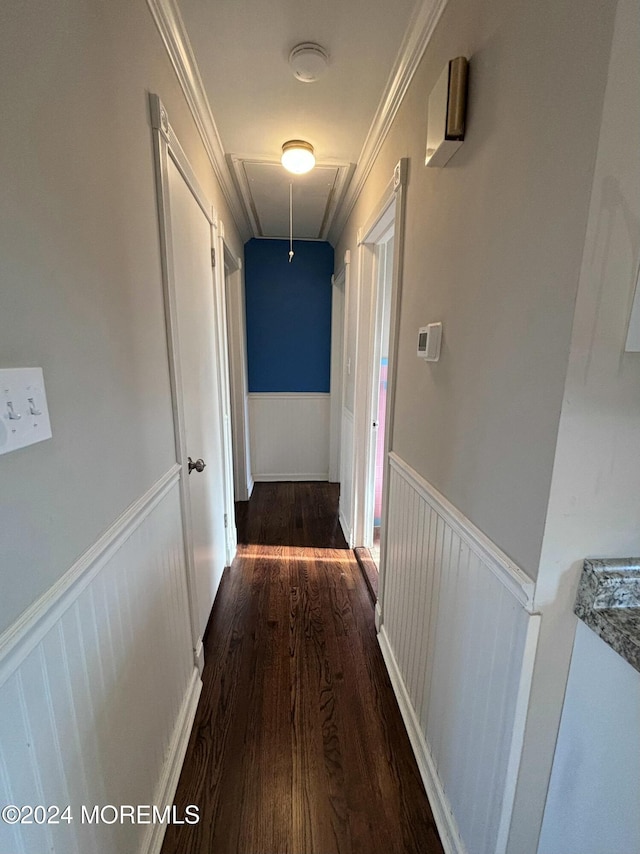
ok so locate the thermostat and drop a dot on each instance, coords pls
(429, 338)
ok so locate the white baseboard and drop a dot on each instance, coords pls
(198, 655)
(449, 835)
(168, 784)
(295, 476)
(378, 616)
(346, 530)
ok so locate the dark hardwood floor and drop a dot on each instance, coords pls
(291, 514)
(369, 571)
(298, 746)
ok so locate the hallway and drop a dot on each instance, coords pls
(298, 746)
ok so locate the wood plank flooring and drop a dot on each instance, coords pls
(298, 746)
(291, 514)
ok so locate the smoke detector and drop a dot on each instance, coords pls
(308, 62)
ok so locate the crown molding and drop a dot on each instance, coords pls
(168, 20)
(415, 42)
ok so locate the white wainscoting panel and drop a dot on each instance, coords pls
(97, 701)
(457, 638)
(289, 436)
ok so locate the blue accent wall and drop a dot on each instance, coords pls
(288, 315)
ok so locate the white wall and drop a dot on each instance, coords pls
(93, 631)
(595, 503)
(493, 247)
(289, 435)
(80, 272)
(592, 804)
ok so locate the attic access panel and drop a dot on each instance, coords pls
(265, 189)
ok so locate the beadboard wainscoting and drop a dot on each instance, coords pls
(459, 638)
(98, 687)
(346, 476)
(289, 435)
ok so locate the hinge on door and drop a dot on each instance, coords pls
(213, 257)
(226, 520)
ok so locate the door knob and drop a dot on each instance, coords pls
(199, 465)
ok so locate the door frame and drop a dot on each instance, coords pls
(390, 208)
(224, 384)
(346, 459)
(386, 225)
(166, 146)
(238, 375)
(338, 302)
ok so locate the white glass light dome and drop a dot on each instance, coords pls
(298, 156)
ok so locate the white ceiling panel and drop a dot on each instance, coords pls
(265, 190)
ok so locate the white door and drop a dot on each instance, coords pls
(191, 243)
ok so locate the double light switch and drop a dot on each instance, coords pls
(24, 415)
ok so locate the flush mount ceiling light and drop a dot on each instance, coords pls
(308, 62)
(297, 156)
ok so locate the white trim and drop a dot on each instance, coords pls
(445, 822)
(283, 476)
(417, 37)
(154, 837)
(338, 304)
(514, 579)
(224, 389)
(378, 616)
(377, 223)
(179, 157)
(289, 395)
(30, 628)
(346, 530)
(389, 209)
(198, 656)
(347, 527)
(519, 728)
(237, 344)
(168, 20)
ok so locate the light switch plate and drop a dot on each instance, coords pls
(24, 414)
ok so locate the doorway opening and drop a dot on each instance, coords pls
(382, 329)
(238, 381)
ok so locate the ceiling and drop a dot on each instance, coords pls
(242, 47)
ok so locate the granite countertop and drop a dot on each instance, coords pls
(608, 601)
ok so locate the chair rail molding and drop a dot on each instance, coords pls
(80, 671)
(20, 638)
(459, 640)
(514, 579)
